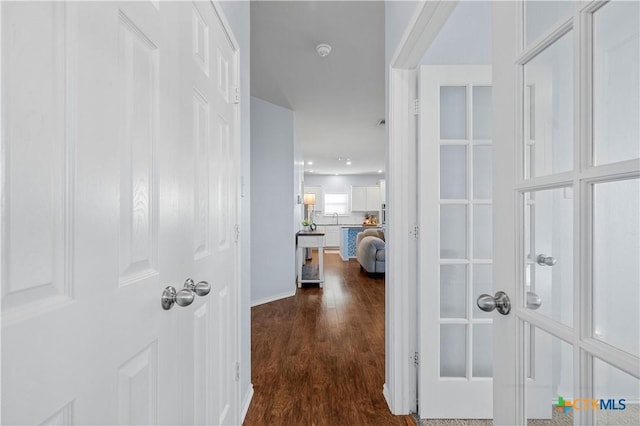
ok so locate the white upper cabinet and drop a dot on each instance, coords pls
(358, 198)
(373, 198)
(365, 198)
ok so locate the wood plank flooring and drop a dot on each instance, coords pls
(318, 357)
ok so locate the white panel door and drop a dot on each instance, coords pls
(567, 198)
(95, 217)
(455, 253)
(208, 96)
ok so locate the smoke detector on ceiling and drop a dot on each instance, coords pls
(323, 50)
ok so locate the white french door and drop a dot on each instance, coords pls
(567, 211)
(455, 248)
(100, 137)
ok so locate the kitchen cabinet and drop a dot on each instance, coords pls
(365, 198)
(373, 198)
(358, 198)
(383, 191)
(331, 235)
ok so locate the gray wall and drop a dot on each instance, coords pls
(238, 16)
(272, 206)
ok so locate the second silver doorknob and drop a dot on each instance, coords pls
(499, 302)
(201, 289)
(544, 260)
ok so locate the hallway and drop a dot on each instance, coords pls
(318, 357)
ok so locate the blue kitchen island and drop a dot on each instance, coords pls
(348, 236)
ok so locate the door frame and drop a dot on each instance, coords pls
(401, 323)
(241, 401)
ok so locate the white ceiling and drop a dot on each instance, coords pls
(337, 99)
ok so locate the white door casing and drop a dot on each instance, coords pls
(561, 166)
(401, 323)
(97, 219)
(455, 260)
(208, 93)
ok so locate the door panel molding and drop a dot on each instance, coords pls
(38, 170)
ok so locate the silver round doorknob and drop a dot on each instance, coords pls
(533, 300)
(486, 302)
(499, 302)
(201, 289)
(185, 297)
(544, 260)
(172, 297)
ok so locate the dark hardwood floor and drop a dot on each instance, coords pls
(318, 357)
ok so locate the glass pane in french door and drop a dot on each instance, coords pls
(548, 109)
(618, 395)
(548, 252)
(453, 112)
(548, 378)
(616, 85)
(466, 237)
(616, 266)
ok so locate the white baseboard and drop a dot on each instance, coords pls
(246, 402)
(273, 298)
(387, 397)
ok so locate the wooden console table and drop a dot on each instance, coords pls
(313, 274)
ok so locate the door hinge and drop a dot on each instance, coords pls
(236, 95)
(415, 232)
(237, 229)
(415, 359)
(416, 107)
(237, 372)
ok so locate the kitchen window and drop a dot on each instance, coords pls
(336, 203)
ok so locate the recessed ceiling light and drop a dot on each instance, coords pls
(379, 171)
(310, 171)
(310, 163)
(323, 50)
(337, 174)
(348, 163)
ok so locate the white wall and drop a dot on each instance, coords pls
(339, 184)
(272, 201)
(238, 16)
(465, 39)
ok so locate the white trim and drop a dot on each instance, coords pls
(385, 393)
(227, 28)
(423, 28)
(237, 144)
(401, 277)
(401, 148)
(246, 402)
(273, 298)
